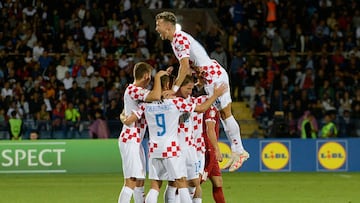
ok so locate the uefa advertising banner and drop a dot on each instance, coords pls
(102, 156)
(60, 156)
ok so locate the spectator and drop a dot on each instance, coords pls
(82, 78)
(99, 128)
(68, 80)
(75, 93)
(329, 129)
(89, 31)
(95, 79)
(43, 119)
(45, 60)
(271, 11)
(237, 74)
(89, 68)
(220, 55)
(72, 117)
(19, 112)
(15, 126)
(61, 70)
(307, 125)
(347, 126)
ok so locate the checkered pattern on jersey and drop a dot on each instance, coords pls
(181, 45)
(182, 105)
(130, 134)
(184, 130)
(136, 93)
(141, 124)
(210, 72)
(172, 150)
(200, 144)
(197, 118)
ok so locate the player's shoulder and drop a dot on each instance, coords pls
(133, 89)
(181, 35)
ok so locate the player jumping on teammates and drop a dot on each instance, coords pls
(192, 55)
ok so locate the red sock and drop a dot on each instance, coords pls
(218, 195)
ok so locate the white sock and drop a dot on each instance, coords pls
(152, 196)
(197, 200)
(139, 195)
(177, 198)
(184, 195)
(125, 195)
(169, 194)
(192, 191)
(232, 131)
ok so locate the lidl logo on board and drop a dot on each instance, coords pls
(226, 154)
(275, 156)
(332, 155)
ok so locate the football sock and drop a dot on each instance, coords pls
(232, 131)
(125, 195)
(152, 196)
(218, 195)
(192, 191)
(184, 195)
(169, 194)
(139, 195)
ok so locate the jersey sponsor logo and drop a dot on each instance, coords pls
(275, 155)
(226, 154)
(332, 155)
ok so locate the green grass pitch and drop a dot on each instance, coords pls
(238, 188)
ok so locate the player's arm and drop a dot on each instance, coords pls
(218, 91)
(184, 70)
(134, 116)
(210, 132)
(155, 93)
(130, 119)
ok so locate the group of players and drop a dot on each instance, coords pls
(175, 121)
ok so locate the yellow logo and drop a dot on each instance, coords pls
(275, 155)
(226, 154)
(332, 155)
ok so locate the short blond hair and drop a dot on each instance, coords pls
(167, 16)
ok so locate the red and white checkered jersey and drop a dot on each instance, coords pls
(132, 96)
(185, 46)
(185, 129)
(197, 119)
(163, 120)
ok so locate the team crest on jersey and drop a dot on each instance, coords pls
(184, 117)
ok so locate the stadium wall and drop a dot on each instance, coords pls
(102, 156)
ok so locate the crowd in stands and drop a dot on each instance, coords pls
(65, 64)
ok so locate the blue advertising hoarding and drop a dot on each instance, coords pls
(287, 155)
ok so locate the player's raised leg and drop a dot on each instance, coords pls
(232, 131)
